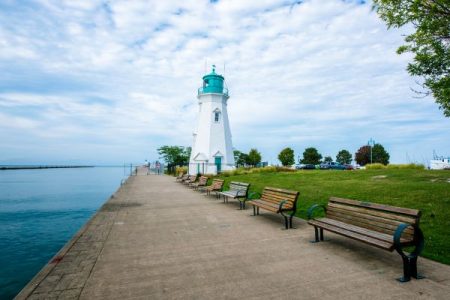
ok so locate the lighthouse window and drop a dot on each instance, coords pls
(216, 116)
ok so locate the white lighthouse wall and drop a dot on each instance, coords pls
(211, 137)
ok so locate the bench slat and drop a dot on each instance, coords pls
(388, 223)
(353, 235)
(275, 206)
(374, 212)
(354, 228)
(387, 208)
(365, 221)
(278, 196)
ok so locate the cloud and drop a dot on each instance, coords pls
(82, 78)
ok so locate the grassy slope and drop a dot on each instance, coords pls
(426, 190)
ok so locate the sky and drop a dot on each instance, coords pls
(108, 82)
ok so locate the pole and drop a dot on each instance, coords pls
(371, 143)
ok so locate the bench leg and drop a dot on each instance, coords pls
(316, 235)
(254, 210)
(257, 210)
(321, 234)
(286, 223)
(409, 269)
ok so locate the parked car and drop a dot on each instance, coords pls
(324, 166)
(306, 167)
(332, 166)
(349, 167)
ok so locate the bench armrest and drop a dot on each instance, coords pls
(418, 240)
(251, 194)
(280, 208)
(313, 208)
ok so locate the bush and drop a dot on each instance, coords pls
(179, 170)
(244, 171)
(407, 166)
(377, 166)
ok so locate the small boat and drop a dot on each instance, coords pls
(439, 162)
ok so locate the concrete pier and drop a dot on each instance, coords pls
(157, 239)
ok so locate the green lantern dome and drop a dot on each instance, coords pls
(213, 83)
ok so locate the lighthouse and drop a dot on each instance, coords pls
(212, 150)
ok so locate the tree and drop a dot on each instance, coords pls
(174, 156)
(379, 155)
(240, 158)
(327, 159)
(286, 157)
(236, 154)
(344, 157)
(362, 156)
(430, 43)
(254, 157)
(311, 156)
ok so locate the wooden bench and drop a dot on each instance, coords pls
(183, 178)
(238, 191)
(180, 176)
(277, 201)
(201, 182)
(382, 226)
(190, 179)
(216, 187)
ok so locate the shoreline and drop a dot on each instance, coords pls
(5, 168)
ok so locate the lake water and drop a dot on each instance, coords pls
(40, 210)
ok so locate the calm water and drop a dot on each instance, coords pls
(40, 210)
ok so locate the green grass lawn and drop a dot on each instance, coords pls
(426, 190)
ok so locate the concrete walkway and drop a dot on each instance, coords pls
(157, 239)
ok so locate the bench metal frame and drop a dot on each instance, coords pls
(409, 260)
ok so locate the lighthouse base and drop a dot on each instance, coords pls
(208, 168)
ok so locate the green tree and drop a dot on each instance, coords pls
(311, 156)
(240, 158)
(236, 154)
(380, 155)
(362, 156)
(344, 157)
(174, 156)
(254, 157)
(327, 159)
(286, 157)
(430, 43)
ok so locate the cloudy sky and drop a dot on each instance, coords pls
(110, 81)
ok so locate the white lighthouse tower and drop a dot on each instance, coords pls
(212, 150)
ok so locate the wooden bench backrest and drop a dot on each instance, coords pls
(275, 196)
(373, 216)
(217, 184)
(239, 186)
(203, 180)
(192, 178)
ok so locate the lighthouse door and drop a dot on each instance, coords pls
(218, 162)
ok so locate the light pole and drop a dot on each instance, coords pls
(371, 143)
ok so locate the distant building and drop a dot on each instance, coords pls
(212, 150)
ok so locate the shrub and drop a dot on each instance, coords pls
(179, 170)
(407, 166)
(395, 166)
(375, 166)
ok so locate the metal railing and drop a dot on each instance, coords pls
(202, 90)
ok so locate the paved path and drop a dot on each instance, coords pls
(156, 239)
